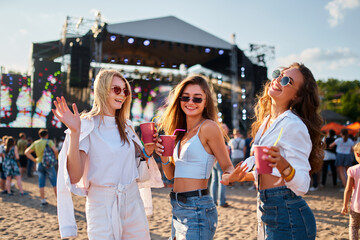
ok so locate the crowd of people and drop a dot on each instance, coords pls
(101, 154)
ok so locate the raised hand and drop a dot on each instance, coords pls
(66, 116)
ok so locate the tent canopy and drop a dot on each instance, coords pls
(354, 128)
(334, 126)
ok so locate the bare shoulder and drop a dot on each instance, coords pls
(209, 128)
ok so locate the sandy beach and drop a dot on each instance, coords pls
(22, 217)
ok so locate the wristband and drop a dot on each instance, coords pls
(146, 153)
(166, 162)
(291, 175)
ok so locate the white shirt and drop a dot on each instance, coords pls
(103, 145)
(237, 147)
(295, 146)
(343, 147)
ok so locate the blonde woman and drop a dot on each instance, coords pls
(192, 108)
(98, 160)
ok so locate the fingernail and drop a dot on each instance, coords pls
(265, 150)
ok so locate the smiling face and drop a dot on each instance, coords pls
(190, 108)
(116, 101)
(284, 94)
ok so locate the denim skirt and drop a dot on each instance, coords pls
(285, 215)
(194, 220)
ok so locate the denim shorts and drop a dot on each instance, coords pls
(285, 215)
(194, 220)
(343, 160)
(50, 172)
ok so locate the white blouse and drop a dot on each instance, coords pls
(111, 160)
(295, 146)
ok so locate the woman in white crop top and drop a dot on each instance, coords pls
(192, 107)
(290, 104)
(101, 152)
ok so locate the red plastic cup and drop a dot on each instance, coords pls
(168, 141)
(147, 132)
(262, 166)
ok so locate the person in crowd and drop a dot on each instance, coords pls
(10, 166)
(191, 107)
(38, 147)
(343, 154)
(329, 159)
(353, 190)
(60, 143)
(2, 156)
(31, 168)
(98, 160)
(22, 145)
(289, 105)
(218, 190)
(247, 146)
(237, 144)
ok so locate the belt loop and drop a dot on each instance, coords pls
(264, 192)
(176, 197)
(200, 194)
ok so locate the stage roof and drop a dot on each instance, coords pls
(169, 29)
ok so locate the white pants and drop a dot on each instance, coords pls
(116, 213)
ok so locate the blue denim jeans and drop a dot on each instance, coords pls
(285, 215)
(43, 172)
(215, 185)
(194, 220)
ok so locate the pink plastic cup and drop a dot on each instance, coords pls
(262, 166)
(168, 141)
(147, 132)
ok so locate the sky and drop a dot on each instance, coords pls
(324, 35)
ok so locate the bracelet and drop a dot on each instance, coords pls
(291, 175)
(146, 153)
(166, 162)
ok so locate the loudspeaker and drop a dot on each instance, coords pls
(80, 65)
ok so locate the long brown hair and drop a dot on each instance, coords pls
(306, 106)
(102, 87)
(10, 142)
(345, 134)
(175, 118)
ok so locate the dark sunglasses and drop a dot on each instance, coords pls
(117, 90)
(285, 80)
(194, 99)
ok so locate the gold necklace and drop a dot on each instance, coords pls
(187, 131)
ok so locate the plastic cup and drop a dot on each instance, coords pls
(168, 141)
(147, 132)
(262, 166)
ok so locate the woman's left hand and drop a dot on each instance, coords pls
(236, 176)
(273, 155)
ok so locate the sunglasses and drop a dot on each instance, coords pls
(117, 90)
(285, 80)
(194, 99)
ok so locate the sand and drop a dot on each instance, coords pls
(22, 217)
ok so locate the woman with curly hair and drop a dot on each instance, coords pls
(289, 103)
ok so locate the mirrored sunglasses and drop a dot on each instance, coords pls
(284, 81)
(117, 90)
(194, 99)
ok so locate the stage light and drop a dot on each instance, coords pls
(242, 69)
(219, 114)
(221, 52)
(112, 60)
(146, 43)
(112, 38)
(219, 79)
(243, 96)
(174, 65)
(126, 60)
(207, 50)
(244, 111)
(138, 62)
(243, 90)
(235, 105)
(131, 40)
(162, 64)
(244, 118)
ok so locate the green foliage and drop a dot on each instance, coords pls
(342, 97)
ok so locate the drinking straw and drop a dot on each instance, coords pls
(278, 137)
(152, 120)
(183, 130)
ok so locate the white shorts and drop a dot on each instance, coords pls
(116, 213)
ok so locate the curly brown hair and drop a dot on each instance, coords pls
(306, 106)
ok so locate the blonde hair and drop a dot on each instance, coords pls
(175, 118)
(102, 86)
(357, 147)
